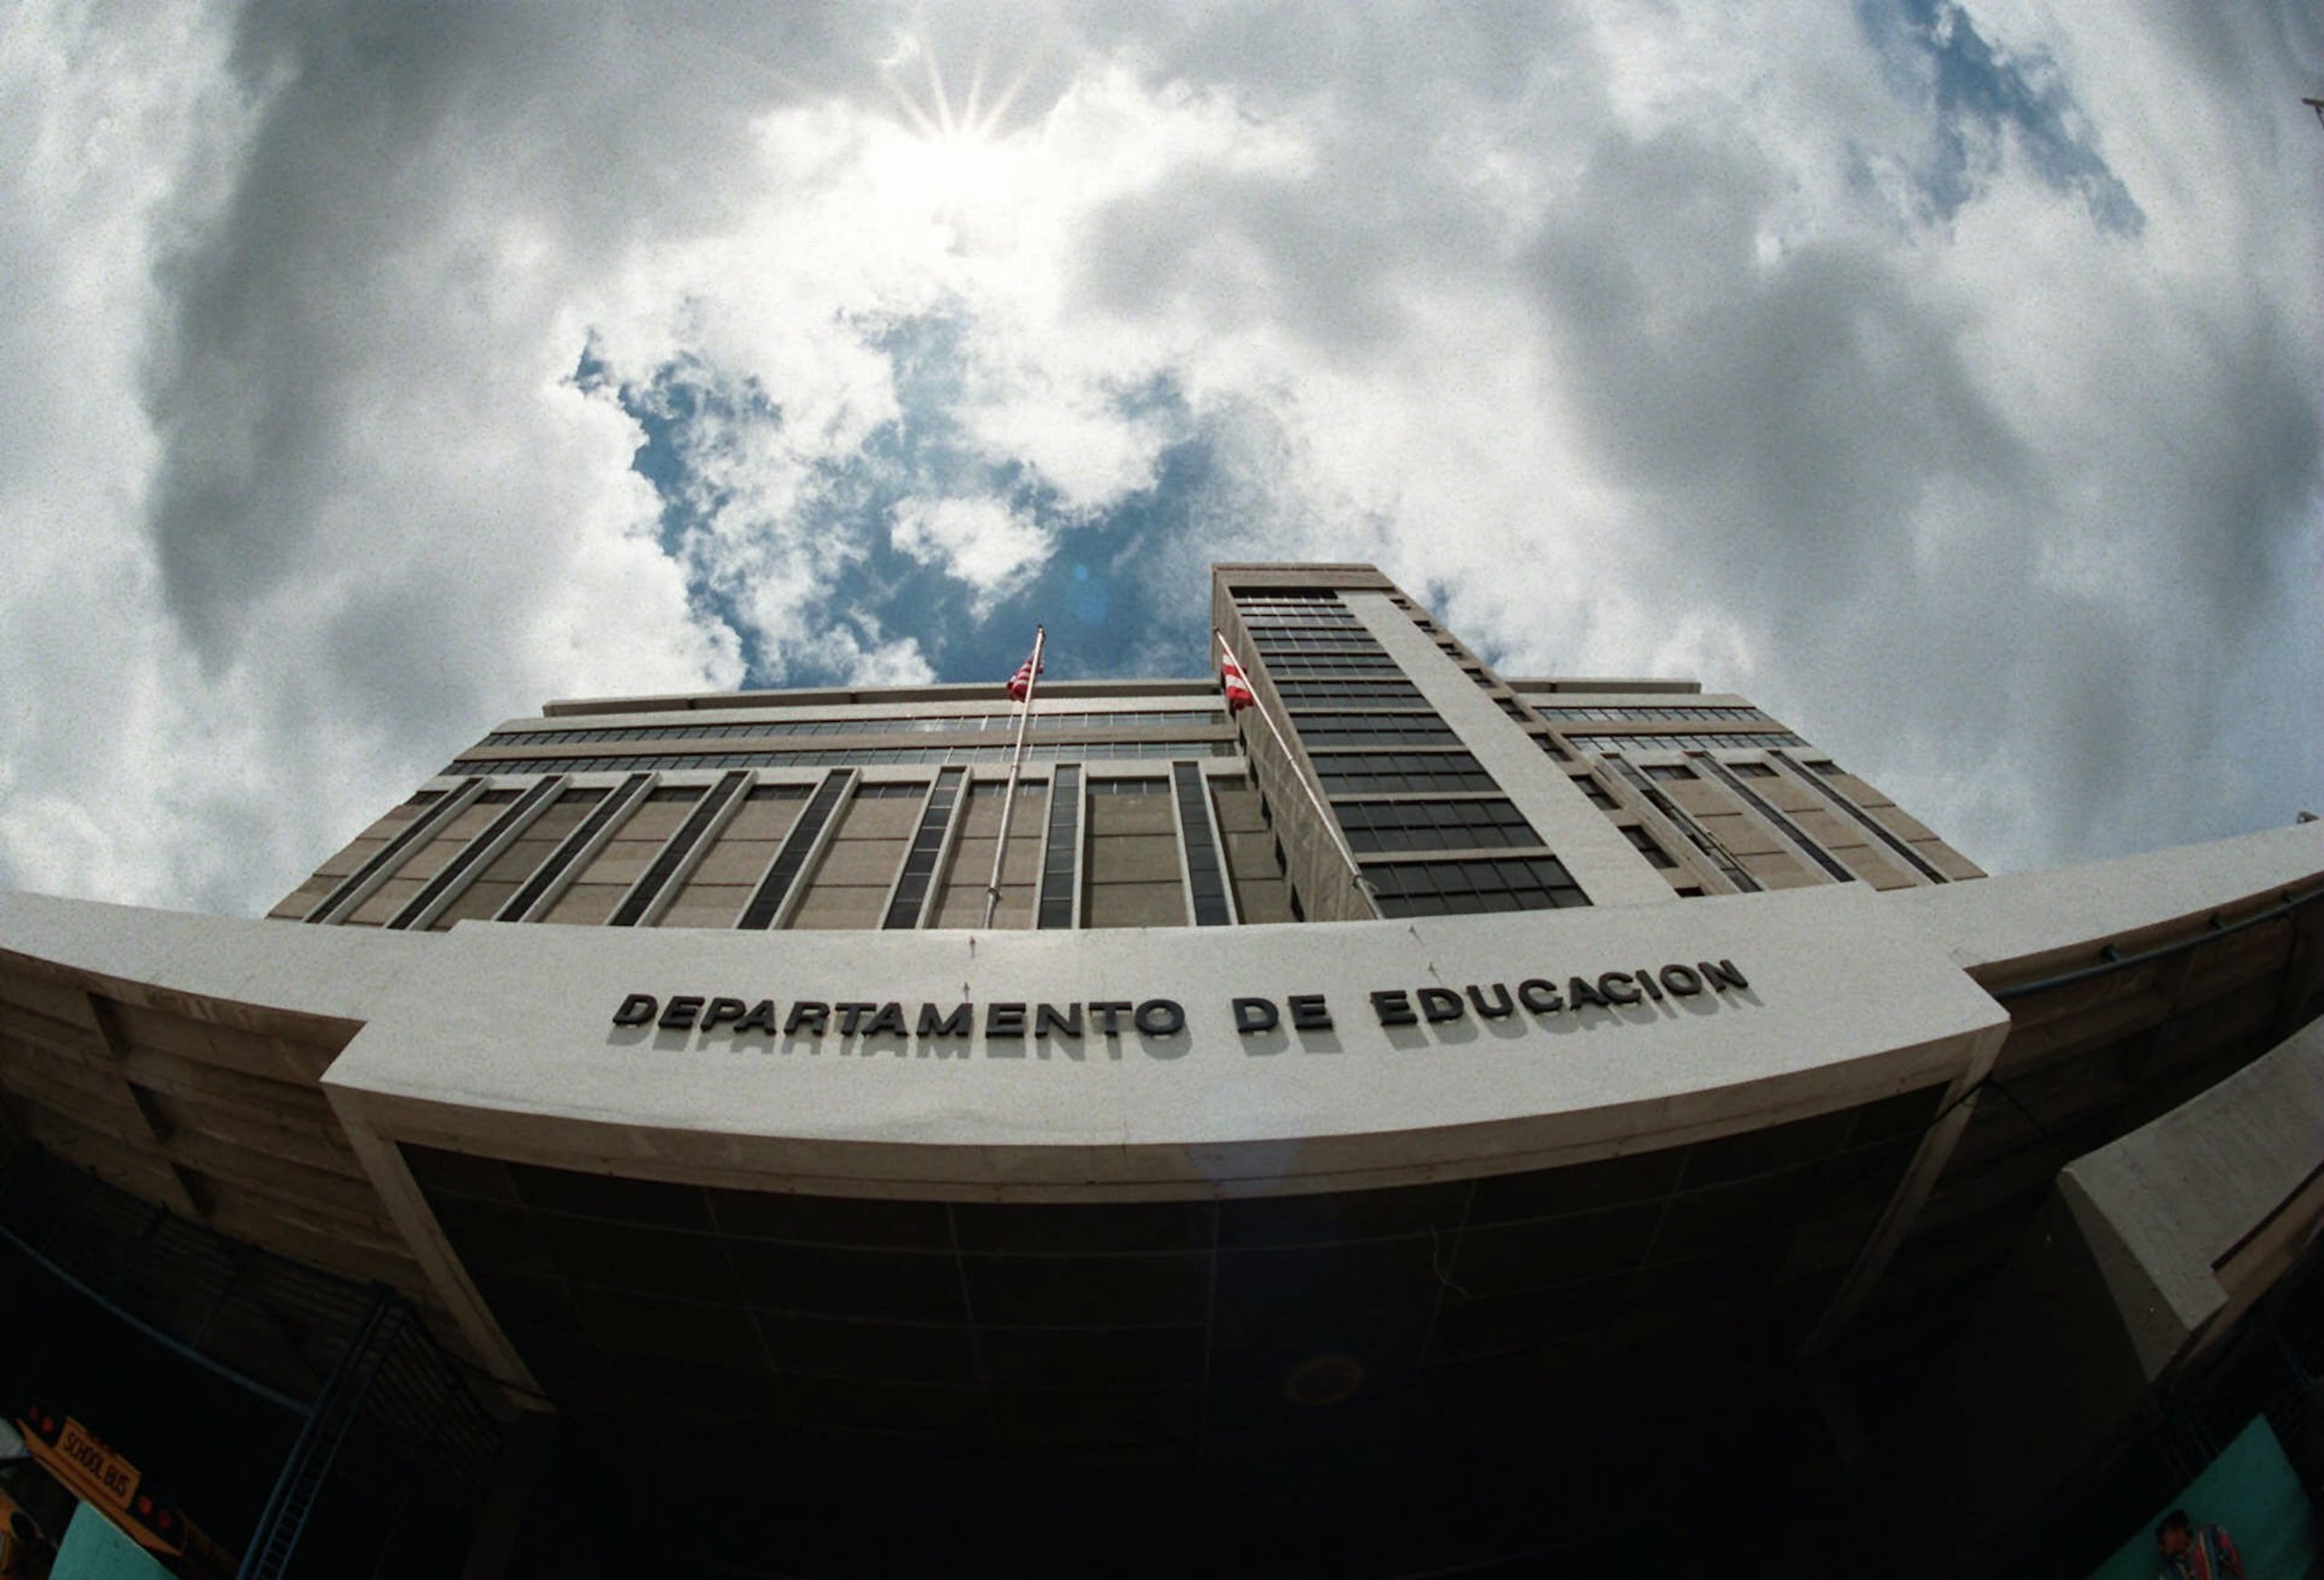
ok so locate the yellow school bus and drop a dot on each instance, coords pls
(94, 1473)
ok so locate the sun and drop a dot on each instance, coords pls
(928, 106)
(958, 154)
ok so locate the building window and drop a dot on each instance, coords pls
(639, 902)
(859, 757)
(1669, 771)
(1357, 729)
(1349, 693)
(1468, 887)
(926, 844)
(1645, 846)
(1060, 866)
(1381, 772)
(1573, 714)
(1687, 742)
(1404, 826)
(1206, 874)
(1596, 792)
(768, 899)
(1751, 770)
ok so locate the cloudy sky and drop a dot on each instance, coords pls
(1943, 376)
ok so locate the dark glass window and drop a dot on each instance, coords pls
(584, 835)
(1391, 825)
(1308, 694)
(1371, 728)
(927, 845)
(1646, 846)
(1061, 867)
(1467, 887)
(1206, 874)
(1382, 773)
(766, 900)
(673, 853)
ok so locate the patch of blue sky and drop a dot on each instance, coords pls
(1105, 593)
(668, 410)
(1974, 94)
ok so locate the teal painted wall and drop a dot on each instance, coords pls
(92, 1550)
(2251, 1490)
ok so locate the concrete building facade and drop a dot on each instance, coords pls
(1425, 1118)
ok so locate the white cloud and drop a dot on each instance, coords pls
(978, 541)
(1642, 340)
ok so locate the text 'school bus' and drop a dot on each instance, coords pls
(117, 1489)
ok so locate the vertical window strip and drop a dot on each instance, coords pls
(774, 889)
(1704, 840)
(1879, 830)
(638, 903)
(358, 884)
(604, 816)
(1782, 825)
(446, 886)
(1198, 841)
(1060, 854)
(926, 848)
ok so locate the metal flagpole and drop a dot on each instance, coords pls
(1015, 761)
(1291, 763)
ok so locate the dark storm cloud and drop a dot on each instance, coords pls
(392, 144)
(1790, 421)
(1790, 412)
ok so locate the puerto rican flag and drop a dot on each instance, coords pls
(1237, 684)
(1021, 684)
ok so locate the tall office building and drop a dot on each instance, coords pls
(1420, 1120)
(1387, 771)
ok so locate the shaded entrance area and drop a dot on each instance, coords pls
(310, 1424)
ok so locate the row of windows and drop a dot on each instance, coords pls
(1648, 846)
(1343, 773)
(926, 844)
(1205, 873)
(1741, 770)
(855, 756)
(768, 899)
(1653, 714)
(1306, 666)
(1435, 825)
(1332, 633)
(1356, 639)
(1059, 879)
(962, 723)
(1331, 614)
(1661, 743)
(1467, 887)
(1350, 693)
(1358, 729)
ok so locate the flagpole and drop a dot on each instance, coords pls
(1015, 761)
(1291, 762)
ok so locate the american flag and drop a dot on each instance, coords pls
(1021, 683)
(1238, 686)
